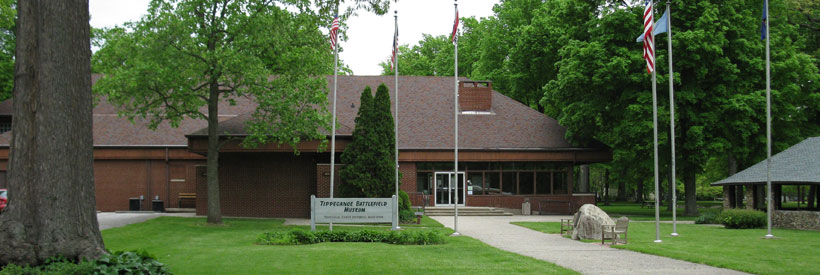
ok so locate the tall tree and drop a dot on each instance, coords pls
(51, 178)
(359, 155)
(386, 143)
(185, 55)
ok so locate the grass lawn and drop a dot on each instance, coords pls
(189, 246)
(793, 252)
(635, 212)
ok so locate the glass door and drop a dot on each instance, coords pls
(446, 189)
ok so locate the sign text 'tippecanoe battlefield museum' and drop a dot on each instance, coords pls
(508, 154)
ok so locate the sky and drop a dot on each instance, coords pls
(370, 37)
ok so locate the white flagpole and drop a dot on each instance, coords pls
(396, 123)
(333, 119)
(455, 115)
(768, 129)
(672, 119)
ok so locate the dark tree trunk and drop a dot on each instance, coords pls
(583, 183)
(622, 186)
(51, 177)
(639, 192)
(606, 186)
(214, 209)
(812, 195)
(689, 189)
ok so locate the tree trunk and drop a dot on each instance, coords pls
(606, 186)
(639, 192)
(812, 195)
(583, 184)
(622, 186)
(51, 177)
(214, 209)
(689, 189)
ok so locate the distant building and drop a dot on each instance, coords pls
(508, 152)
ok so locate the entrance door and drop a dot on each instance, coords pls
(446, 189)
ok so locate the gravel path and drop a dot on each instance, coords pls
(111, 219)
(587, 258)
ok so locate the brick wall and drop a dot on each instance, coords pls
(552, 204)
(262, 185)
(323, 181)
(116, 181)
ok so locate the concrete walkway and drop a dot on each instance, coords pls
(587, 258)
(111, 219)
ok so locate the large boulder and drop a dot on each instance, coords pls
(588, 221)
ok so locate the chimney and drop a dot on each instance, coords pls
(475, 96)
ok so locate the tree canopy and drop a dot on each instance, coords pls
(185, 55)
(578, 62)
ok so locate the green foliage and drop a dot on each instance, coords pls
(407, 216)
(708, 218)
(370, 157)
(120, 262)
(404, 201)
(742, 219)
(359, 158)
(8, 37)
(409, 237)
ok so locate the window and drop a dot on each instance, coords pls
(543, 183)
(493, 183)
(508, 183)
(423, 180)
(477, 182)
(525, 183)
(559, 182)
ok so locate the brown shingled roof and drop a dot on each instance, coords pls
(426, 117)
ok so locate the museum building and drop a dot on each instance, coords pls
(508, 154)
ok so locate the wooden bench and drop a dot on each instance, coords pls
(621, 227)
(189, 198)
(566, 226)
(648, 204)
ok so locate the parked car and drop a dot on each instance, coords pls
(4, 199)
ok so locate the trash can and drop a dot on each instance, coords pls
(134, 204)
(158, 206)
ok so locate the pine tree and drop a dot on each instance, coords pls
(356, 175)
(383, 129)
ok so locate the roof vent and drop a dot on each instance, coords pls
(475, 96)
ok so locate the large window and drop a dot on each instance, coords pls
(543, 183)
(526, 184)
(559, 182)
(423, 180)
(493, 183)
(496, 178)
(508, 183)
(477, 182)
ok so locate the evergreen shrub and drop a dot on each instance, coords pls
(120, 262)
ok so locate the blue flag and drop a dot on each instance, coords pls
(763, 30)
(661, 26)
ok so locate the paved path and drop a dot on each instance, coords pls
(587, 258)
(111, 219)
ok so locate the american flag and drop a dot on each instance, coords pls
(395, 56)
(455, 28)
(334, 29)
(648, 39)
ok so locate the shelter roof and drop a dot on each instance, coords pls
(799, 164)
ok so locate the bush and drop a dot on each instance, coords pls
(708, 218)
(407, 216)
(294, 237)
(114, 263)
(742, 219)
(404, 201)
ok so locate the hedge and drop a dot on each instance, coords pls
(295, 237)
